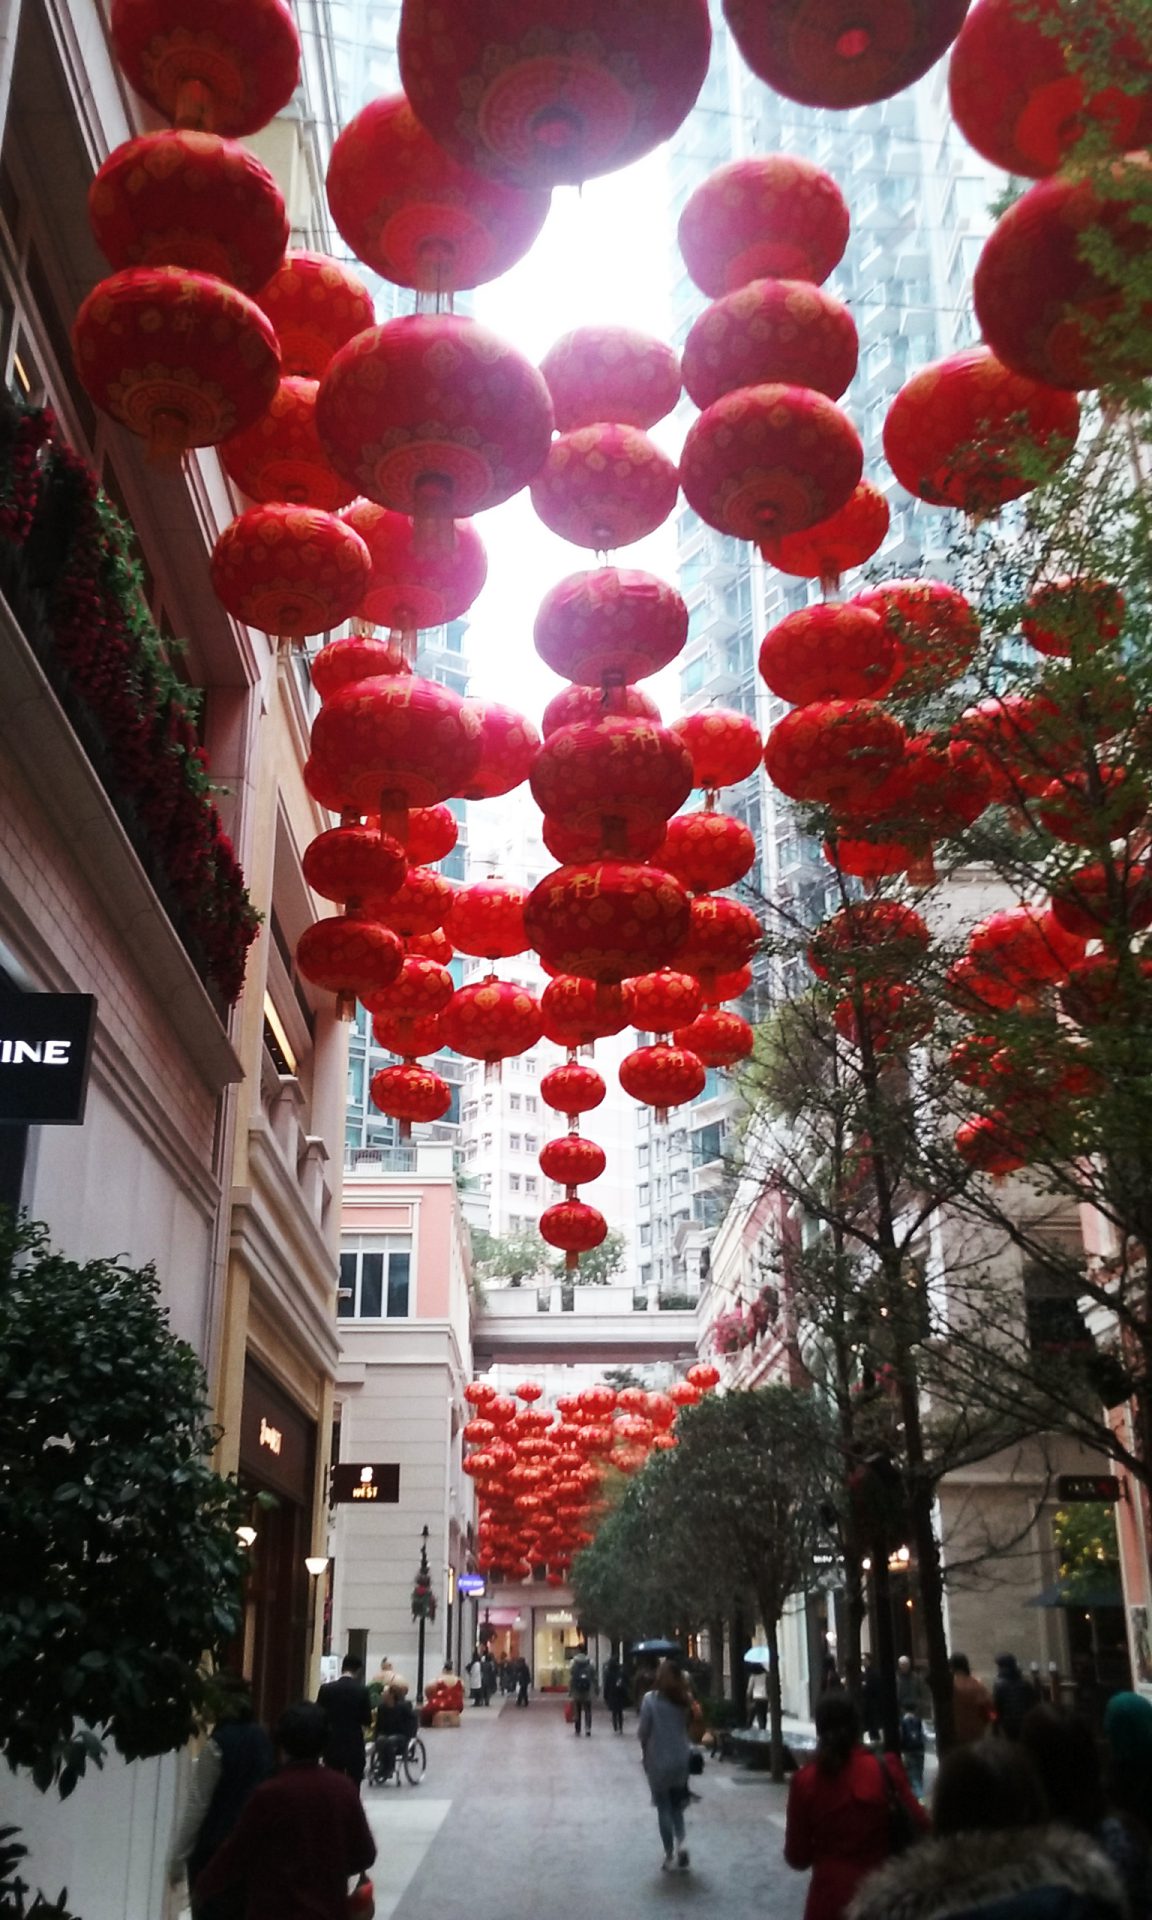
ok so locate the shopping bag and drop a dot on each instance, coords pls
(569, 1712)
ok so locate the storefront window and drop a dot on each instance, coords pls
(375, 1279)
(556, 1636)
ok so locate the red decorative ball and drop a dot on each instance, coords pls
(658, 1002)
(1023, 947)
(412, 740)
(430, 946)
(416, 584)
(771, 330)
(572, 1088)
(605, 486)
(939, 787)
(608, 920)
(420, 987)
(412, 1094)
(878, 938)
(729, 986)
(833, 750)
(316, 306)
(991, 1144)
(347, 955)
(409, 1035)
(178, 199)
(292, 571)
(891, 1015)
(842, 53)
(573, 1226)
(846, 539)
(661, 1076)
(575, 704)
(706, 850)
(280, 456)
(610, 373)
(209, 63)
(1071, 617)
(433, 415)
(770, 460)
(725, 746)
(703, 1375)
(415, 215)
(577, 1012)
(572, 1160)
(343, 662)
(487, 919)
(835, 650)
(420, 904)
(491, 1020)
(966, 432)
(350, 863)
(1098, 992)
(1098, 898)
(578, 839)
(616, 623)
(868, 859)
(432, 834)
(771, 216)
(1088, 814)
(1043, 305)
(539, 92)
(932, 627)
(717, 1038)
(509, 745)
(723, 935)
(613, 772)
(180, 358)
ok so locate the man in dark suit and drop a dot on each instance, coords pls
(347, 1707)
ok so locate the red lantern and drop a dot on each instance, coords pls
(1072, 617)
(933, 628)
(882, 938)
(415, 215)
(407, 1034)
(616, 623)
(974, 989)
(846, 539)
(413, 1095)
(349, 956)
(432, 834)
(572, 1088)
(608, 920)
(771, 330)
(967, 432)
(1043, 305)
(770, 460)
(1023, 947)
(209, 63)
(179, 358)
(509, 745)
(1102, 899)
(487, 919)
(290, 570)
(479, 1393)
(615, 771)
(605, 486)
(893, 1016)
(717, 1038)
(574, 1227)
(572, 1160)
(349, 863)
(344, 662)
(683, 1394)
(723, 935)
(419, 988)
(1019, 100)
(575, 704)
(1019, 735)
(661, 1077)
(411, 587)
(433, 415)
(491, 1020)
(397, 743)
(835, 651)
(1089, 813)
(421, 903)
(575, 840)
(325, 787)
(280, 456)
(577, 1012)
(706, 850)
(833, 750)
(1104, 988)
(430, 946)
(771, 216)
(843, 53)
(189, 200)
(992, 1145)
(528, 1391)
(939, 787)
(610, 373)
(316, 306)
(868, 859)
(658, 1002)
(539, 92)
(725, 746)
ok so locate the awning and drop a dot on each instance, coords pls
(1089, 1595)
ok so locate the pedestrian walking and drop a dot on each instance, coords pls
(581, 1680)
(474, 1674)
(971, 1702)
(756, 1697)
(872, 1698)
(1013, 1695)
(347, 1708)
(666, 1750)
(846, 1809)
(487, 1676)
(523, 1681)
(1062, 1748)
(913, 1703)
(235, 1759)
(301, 1836)
(617, 1693)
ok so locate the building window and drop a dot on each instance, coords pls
(530, 1103)
(645, 1234)
(530, 1183)
(644, 1196)
(375, 1279)
(530, 1067)
(531, 1143)
(487, 1142)
(487, 1103)
(469, 1113)
(513, 1183)
(515, 1223)
(514, 1143)
(513, 1103)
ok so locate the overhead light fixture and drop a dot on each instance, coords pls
(316, 1564)
(246, 1536)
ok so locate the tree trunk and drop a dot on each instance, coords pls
(737, 1647)
(855, 1606)
(775, 1703)
(716, 1658)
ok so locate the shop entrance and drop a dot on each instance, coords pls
(277, 1469)
(555, 1636)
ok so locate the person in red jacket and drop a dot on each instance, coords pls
(301, 1837)
(840, 1810)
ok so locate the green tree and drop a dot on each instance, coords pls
(515, 1257)
(1089, 1549)
(598, 1268)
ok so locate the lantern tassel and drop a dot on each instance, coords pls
(195, 106)
(167, 437)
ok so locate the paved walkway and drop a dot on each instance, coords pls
(516, 1819)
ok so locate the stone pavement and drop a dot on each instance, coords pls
(516, 1819)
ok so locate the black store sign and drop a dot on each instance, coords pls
(45, 1052)
(365, 1484)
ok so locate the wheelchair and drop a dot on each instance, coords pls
(394, 1758)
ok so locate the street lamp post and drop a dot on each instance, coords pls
(317, 1565)
(424, 1609)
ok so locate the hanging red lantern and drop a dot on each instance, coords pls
(413, 1095)
(939, 787)
(412, 587)
(610, 373)
(487, 919)
(661, 1077)
(723, 934)
(420, 987)
(572, 1088)
(573, 705)
(430, 946)
(577, 839)
(397, 743)
(349, 956)
(291, 571)
(717, 1038)
(725, 746)
(1104, 899)
(178, 199)
(1089, 812)
(613, 772)
(478, 1432)
(879, 938)
(414, 214)
(572, 1160)
(843, 53)
(868, 859)
(1018, 98)
(933, 629)
(683, 1394)
(432, 833)
(771, 330)
(407, 1034)
(1044, 304)
(608, 920)
(491, 1020)
(992, 1145)
(770, 216)
(509, 745)
(574, 1227)
(837, 650)
(703, 1375)
(1023, 947)
(604, 486)
(421, 903)
(344, 662)
(770, 460)
(350, 863)
(280, 456)
(434, 416)
(974, 989)
(479, 1393)
(1073, 617)
(528, 1391)
(326, 788)
(846, 539)
(316, 306)
(180, 358)
(892, 1015)
(1105, 988)
(577, 1013)
(1020, 735)
(967, 432)
(543, 93)
(706, 850)
(614, 624)
(832, 750)
(658, 1002)
(209, 63)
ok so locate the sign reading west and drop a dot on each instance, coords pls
(45, 1052)
(380, 1484)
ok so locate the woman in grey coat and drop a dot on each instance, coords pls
(665, 1746)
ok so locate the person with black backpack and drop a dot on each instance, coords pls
(581, 1681)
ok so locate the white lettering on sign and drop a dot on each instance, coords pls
(270, 1437)
(370, 1491)
(39, 1053)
